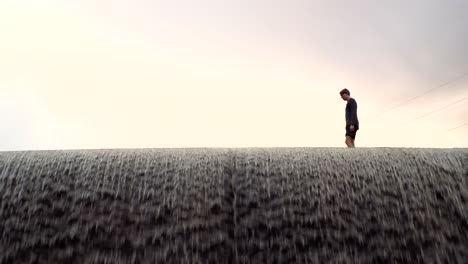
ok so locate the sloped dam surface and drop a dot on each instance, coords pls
(275, 205)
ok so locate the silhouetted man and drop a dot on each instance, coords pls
(352, 122)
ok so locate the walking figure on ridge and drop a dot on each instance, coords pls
(352, 122)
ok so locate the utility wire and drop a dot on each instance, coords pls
(439, 109)
(455, 128)
(424, 93)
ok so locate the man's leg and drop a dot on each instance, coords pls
(353, 137)
(349, 142)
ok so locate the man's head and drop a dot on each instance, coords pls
(345, 94)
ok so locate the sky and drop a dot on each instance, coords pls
(98, 74)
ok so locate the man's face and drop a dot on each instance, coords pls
(345, 96)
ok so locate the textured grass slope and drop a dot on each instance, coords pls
(234, 206)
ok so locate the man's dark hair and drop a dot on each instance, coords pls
(345, 91)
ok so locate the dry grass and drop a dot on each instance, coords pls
(319, 205)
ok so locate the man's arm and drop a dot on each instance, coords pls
(353, 112)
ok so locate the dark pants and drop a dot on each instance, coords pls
(351, 134)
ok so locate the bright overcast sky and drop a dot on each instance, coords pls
(241, 73)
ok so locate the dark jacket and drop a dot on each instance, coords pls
(351, 113)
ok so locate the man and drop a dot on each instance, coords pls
(352, 122)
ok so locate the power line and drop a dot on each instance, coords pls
(424, 93)
(439, 109)
(455, 128)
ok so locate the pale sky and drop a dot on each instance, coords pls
(95, 74)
